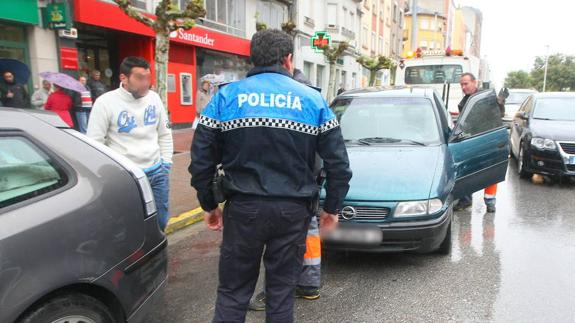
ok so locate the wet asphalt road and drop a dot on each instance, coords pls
(517, 265)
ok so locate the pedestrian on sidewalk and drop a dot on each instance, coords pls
(40, 96)
(13, 94)
(133, 121)
(82, 106)
(61, 103)
(469, 87)
(203, 97)
(97, 87)
(265, 131)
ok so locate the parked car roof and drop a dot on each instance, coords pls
(554, 95)
(392, 91)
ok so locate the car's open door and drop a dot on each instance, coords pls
(479, 145)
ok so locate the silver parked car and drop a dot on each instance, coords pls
(514, 101)
(79, 239)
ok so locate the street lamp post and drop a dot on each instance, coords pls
(545, 72)
(413, 25)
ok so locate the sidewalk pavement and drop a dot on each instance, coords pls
(184, 206)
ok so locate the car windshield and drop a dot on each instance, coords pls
(433, 74)
(555, 109)
(517, 97)
(387, 120)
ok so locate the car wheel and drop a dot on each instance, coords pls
(70, 308)
(521, 164)
(445, 246)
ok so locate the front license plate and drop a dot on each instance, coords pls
(356, 235)
(572, 160)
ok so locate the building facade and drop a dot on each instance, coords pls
(342, 20)
(23, 38)
(217, 49)
(381, 34)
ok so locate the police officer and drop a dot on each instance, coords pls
(265, 132)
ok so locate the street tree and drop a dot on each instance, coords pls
(169, 18)
(560, 73)
(518, 80)
(374, 65)
(332, 53)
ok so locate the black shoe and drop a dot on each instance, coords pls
(461, 205)
(490, 208)
(258, 303)
(309, 293)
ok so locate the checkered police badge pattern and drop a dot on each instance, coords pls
(329, 125)
(269, 123)
(209, 122)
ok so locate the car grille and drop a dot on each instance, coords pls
(368, 213)
(571, 168)
(569, 148)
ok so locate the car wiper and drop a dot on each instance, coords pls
(543, 119)
(378, 140)
(388, 140)
(357, 142)
(413, 142)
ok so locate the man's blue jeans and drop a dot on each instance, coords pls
(160, 182)
(82, 118)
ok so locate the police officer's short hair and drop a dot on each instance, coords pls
(471, 76)
(270, 47)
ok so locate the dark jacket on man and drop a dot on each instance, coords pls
(97, 88)
(21, 99)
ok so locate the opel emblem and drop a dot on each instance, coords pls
(348, 212)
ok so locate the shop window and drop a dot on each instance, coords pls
(217, 68)
(12, 33)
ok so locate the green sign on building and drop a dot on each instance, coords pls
(24, 11)
(56, 16)
(320, 40)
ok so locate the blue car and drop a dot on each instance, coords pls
(411, 163)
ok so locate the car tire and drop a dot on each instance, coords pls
(445, 246)
(70, 308)
(521, 164)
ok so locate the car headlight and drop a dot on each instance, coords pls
(543, 144)
(418, 208)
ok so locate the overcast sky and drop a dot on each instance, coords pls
(516, 31)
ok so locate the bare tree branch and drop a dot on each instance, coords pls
(134, 13)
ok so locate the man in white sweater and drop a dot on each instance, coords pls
(132, 121)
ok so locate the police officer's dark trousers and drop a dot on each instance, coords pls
(252, 226)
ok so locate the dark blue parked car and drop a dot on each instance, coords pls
(410, 163)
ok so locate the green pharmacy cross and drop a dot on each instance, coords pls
(320, 40)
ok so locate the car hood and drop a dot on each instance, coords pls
(392, 173)
(553, 129)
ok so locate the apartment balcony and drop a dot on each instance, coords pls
(347, 33)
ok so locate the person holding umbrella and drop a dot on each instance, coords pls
(12, 94)
(61, 103)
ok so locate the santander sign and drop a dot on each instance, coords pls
(185, 36)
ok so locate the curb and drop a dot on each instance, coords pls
(184, 220)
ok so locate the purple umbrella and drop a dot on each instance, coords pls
(64, 81)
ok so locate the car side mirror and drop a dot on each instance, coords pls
(458, 135)
(522, 115)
